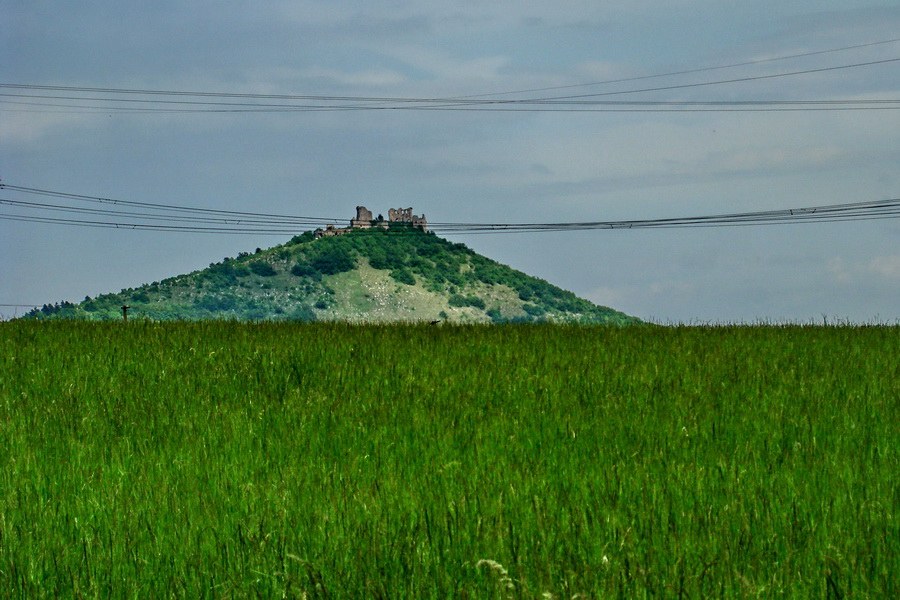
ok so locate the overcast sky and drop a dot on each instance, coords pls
(473, 166)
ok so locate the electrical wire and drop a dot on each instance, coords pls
(689, 71)
(156, 217)
(135, 226)
(166, 207)
(119, 99)
(198, 220)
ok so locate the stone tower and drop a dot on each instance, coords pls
(363, 218)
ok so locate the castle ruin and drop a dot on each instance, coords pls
(364, 220)
(404, 215)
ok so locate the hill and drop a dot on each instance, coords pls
(375, 275)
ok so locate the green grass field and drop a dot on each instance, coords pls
(228, 460)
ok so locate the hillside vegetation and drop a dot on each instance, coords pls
(328, 460)
(399, 274)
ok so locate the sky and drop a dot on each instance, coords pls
(496, 166)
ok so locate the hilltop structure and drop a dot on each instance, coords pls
(364, 220)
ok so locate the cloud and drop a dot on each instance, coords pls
(447, 67)
(361, 21)
(839, 271)
(779, 158)
(888, 267)
(642, 295)
(874, 271)
(47, 127)
(608, 295)
(376, 77)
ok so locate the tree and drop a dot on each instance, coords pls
(333, 260)
(263, 269)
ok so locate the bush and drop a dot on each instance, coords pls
(304, 270)
(263, 269)
(332, 261)
(459, 300)
(221, 275)
(533, 310)
(306, 236)
(303, 312)
(487, 274)
(216, 304)
(403, 276)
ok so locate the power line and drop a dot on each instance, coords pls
(688, 71)
(188, 101)
(350, 98)
(734, 80)
(840, 212)
(157, 217)
(136, 226)
(889, 210)
(268, 224)
(451, 102)
(618, 107)
(164, 207)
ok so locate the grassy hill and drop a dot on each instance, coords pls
(383, 275)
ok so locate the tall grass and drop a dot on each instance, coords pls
(229, 460)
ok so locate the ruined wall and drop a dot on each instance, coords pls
(400, 215)
(405, 215)
(330, 231)
(363, 218)
(420, 222)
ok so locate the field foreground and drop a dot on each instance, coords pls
(227, 460)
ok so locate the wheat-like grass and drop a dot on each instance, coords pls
(342, 461)
(505, 582)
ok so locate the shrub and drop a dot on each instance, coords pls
(263, 269)
(459, 300)
(216, 304)
(304, 270)
(533, 309)
(332, 261)
(303, 312)
(403, 276)
(306, 236)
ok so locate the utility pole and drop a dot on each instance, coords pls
(125, 308)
